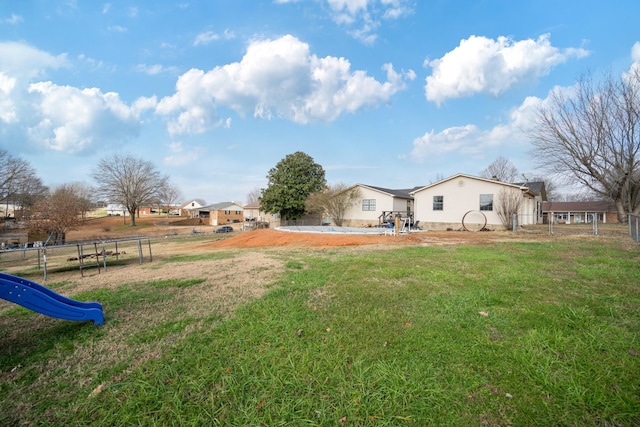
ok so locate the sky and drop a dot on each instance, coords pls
(388, 93)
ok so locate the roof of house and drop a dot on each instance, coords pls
(535, 186)
(253, 205)
(402, 193)
(218, 206)
(463, 175)
(594, 206)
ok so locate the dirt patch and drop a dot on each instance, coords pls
(275, 238)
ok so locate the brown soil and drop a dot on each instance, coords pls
(113, 227)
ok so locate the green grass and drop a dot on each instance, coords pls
(541, 333)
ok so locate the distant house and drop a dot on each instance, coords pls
(443, 204)
(8, 209)
(377, 205)
(579, 212)
(256, 218)
(159, 210)
(190, 208)
(224, 213)
(114, 209)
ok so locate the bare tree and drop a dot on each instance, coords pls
(508, 204)
(83, 193)
(335, 200)
(58, 213)
(254, 195)
(19, 184)
(501, 169)
(168, 196)
(593, 137)
(128, 181)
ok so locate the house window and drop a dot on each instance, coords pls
(227, 212)
(438, 203)
(486, 202)
(368, 204)
(238, 212)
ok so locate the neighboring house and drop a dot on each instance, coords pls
(252, 212)
(8, 209)
(579, 212)
(377, 205)
(538, 188)
(158, 210)
(190, 208)
(116, 210)
(225, 213)
(443, 204)
(257, 218)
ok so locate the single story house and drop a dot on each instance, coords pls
(377, 205)
(444, 204)
(114, 209)
(579, 212)
(190, 209)
(224, 213)
(8, 209)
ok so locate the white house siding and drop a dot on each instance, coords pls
(461, 194)
(356, 217)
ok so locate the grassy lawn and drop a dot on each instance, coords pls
(520, 333)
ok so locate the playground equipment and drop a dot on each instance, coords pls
(43, 300)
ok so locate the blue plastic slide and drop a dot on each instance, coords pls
(43, 300)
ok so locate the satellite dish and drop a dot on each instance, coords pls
(526, 176)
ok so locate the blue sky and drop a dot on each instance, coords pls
(390, 93)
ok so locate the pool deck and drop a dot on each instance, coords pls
(328, 229)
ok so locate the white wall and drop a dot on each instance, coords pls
(461, 195)
(355, 216)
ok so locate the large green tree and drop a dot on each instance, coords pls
(290, 183)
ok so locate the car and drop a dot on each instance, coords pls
(224, 229)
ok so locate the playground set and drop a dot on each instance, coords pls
(43, 300)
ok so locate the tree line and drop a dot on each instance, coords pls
(119, 179)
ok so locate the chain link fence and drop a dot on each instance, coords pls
(591, 225)
(80, 256)
(634, 227)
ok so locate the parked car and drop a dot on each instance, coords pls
(224, 229)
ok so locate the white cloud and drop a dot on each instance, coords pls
(12, 20)
(155, 69)
(22, 61)
(277, 78)
(483, 65)
(117, 29)
(62, 118)
(362, 18)
(105, 8)
(210, 36)
(470, 139)
(635, 58)
(182, 157)
(8, 113)
(76, 120)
